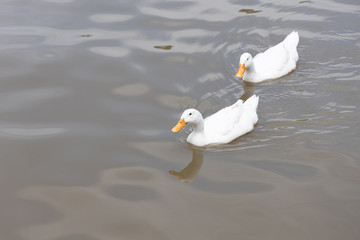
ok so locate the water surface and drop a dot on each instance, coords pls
(89, 91)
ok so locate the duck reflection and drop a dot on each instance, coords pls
(249, 89)
(189, 173)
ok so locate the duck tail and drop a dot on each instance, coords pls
(252, 102)
(292, 40)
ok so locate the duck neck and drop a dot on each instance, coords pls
(197, 136)
(198, 127)
(250, 69)
(250, 72)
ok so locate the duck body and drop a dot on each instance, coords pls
(275, 62)
(222, 127)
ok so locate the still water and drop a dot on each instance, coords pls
(89, 91)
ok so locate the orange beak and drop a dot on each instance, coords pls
(241, 71)
(179, 125)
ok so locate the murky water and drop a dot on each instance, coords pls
(89, 91)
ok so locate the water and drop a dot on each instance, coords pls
(89, 91)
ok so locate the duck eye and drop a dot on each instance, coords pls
(190, 114)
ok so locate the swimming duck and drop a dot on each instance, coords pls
(222, 127)
(275, 62)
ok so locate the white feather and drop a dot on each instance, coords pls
(275, 62)
(223, 126)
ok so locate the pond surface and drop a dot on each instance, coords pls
(89, 91)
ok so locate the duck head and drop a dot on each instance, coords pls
(189, 116)
(245, 62)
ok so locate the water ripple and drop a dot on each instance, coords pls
(115, 52)
(110, 18)
(32, 132)
(17, 100)
(58, 1)
(65, 37)
(200, 10)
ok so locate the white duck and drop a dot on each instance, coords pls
(222, 127)
(275, 62)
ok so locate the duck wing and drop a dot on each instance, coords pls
(219, 127)
(279, 59)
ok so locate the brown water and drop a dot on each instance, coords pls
(89, 91)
